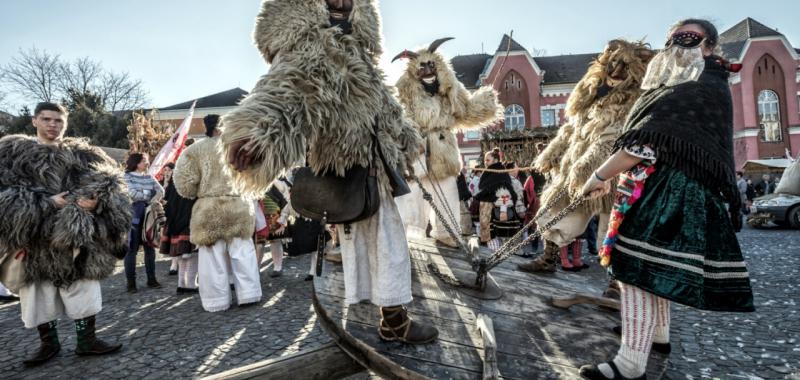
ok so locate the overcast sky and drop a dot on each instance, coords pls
(185, 49)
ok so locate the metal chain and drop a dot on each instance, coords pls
(437, 189)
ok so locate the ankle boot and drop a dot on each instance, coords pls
(88, 343)
(545, 263)
(48, 335)
(397, 326)
(577, 255)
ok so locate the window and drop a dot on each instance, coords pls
(769, 116)
(515, 117)
(548, 118)
(472, 135)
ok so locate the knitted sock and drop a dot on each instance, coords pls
(174, 264)
(277, 255)
(638, 309)
(661, 334)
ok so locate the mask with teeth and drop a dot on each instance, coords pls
(427, 72)
(339, 14)
(427, 75)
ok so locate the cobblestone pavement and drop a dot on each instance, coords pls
(170, 336)
(764, 344)
(166, 335)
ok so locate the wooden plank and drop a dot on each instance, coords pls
(326, 362)
(486, 328)
(584, 299)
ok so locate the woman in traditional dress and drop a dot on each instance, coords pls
(175, 237)
(671, 236)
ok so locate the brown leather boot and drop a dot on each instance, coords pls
(612, 291)
(545, 263)
(397, 326)
(88, 343)
(48, 335)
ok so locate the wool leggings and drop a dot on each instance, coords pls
(276, 248)
(645, 319)
(187, 272)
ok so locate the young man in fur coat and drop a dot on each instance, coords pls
(596, 111)
(222, 224)
(321, 103)
(66, 217)
(439, 104)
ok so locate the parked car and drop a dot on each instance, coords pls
(781, 209)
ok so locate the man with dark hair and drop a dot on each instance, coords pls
(66, 214)
(222, 224)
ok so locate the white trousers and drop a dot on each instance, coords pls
(416, 212)
(214, 272)
(375, 258)
(41, 302)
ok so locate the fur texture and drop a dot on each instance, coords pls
(320, 101)
(439, 116)
(587, 139)
(30, 173)
(219, 213)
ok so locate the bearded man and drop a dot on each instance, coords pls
(596, 111)
(66, 218)
(323, 102)
(439, 104)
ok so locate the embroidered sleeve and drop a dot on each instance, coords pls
(642, 151)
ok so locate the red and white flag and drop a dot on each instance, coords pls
(174, 146)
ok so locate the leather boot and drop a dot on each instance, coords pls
(397, 326)
(545, 263)
(612, 291)
(48, 335)
(88, 343)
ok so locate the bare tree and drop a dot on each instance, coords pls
(81, 75)
(34, 74)
(538, 52)
(121, 92)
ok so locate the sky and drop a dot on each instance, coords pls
(186, 49)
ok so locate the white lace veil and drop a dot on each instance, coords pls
(674, 65)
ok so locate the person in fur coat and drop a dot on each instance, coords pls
(439, 104)
(596, 111)
(222, 224)
(321, 104)
(66, 217)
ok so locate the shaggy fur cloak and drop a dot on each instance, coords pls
(320, 102)
(219, 213)
(30, 173)
(587, 139)
(439, 116)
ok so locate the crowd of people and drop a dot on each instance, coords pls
(72, 212)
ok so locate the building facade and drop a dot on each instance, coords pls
(534, 90)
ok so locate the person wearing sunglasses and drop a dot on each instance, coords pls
(671, 235)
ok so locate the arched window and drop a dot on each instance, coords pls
(769, 116)
(515, 117)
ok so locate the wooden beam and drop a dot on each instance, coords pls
(326, 362)
(490, 369)
(577, 299)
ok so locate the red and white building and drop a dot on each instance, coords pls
(534, 91)
(766, 93)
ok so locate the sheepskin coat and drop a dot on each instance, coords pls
(320, 101)
(219, 213)
(438, 116)
(68, 244)
(584, 143)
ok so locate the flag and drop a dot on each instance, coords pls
(174, 146)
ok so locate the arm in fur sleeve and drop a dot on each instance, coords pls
(550, 158)
(186, 175)
(477, 109)
(23, 207)
(106, 227)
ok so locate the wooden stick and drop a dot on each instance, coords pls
(579, 299)
(490, 369)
